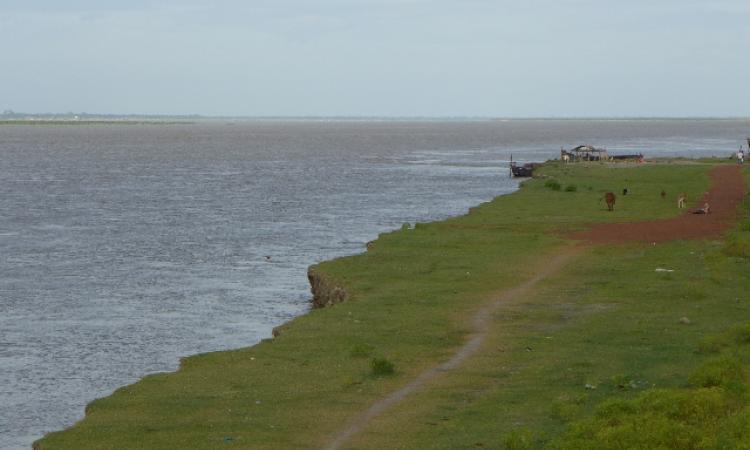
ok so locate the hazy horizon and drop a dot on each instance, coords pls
(367, 58)
(359, 117)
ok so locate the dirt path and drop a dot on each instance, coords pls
(727, 190)
(480, 325)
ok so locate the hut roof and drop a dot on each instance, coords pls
(588, 149)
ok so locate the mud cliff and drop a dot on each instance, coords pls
(325, 291)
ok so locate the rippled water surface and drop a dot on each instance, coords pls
(125, 247)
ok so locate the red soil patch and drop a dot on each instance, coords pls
(727, 190)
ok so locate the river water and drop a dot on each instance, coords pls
(125, 247)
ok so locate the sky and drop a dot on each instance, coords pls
(402, 58)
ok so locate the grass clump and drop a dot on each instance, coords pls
(724, 371)
(519, 439)
(571, 188)
(553, 185)
(381, 367)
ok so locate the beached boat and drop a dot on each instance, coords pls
(522, 170)
(635, 156)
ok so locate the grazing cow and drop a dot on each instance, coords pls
(610, 198)
(681, 199)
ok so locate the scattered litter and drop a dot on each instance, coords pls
(659, 269)
(684, 320)
(590, 386)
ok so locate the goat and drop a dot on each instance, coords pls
(681, 199)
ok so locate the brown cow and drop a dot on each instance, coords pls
(610, 198)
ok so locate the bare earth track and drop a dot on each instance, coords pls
(727, 190)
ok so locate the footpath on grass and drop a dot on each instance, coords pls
(483, 320)
(726, 193)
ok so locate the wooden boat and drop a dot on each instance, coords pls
(637, 157)
(523, 170)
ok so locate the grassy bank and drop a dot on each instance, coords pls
(607, 328)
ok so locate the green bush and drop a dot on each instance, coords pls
(662, 418)
(571, 188)
(381, 366)
(552, 184)
(724, 371)
(711, 414)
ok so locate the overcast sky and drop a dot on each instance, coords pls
(516, 58)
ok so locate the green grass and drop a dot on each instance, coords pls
(606, 329)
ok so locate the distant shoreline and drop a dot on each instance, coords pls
(92, 122)
(106, 119)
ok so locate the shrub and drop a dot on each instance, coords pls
(662, 418)
(571, 188)
(381, 366)
(724, 371)
(552, 184)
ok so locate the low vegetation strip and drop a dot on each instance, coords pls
(614, 323)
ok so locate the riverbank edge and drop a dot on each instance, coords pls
(326, 291)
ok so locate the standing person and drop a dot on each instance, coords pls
(740, 156)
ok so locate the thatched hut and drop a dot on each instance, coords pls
(586, 153)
